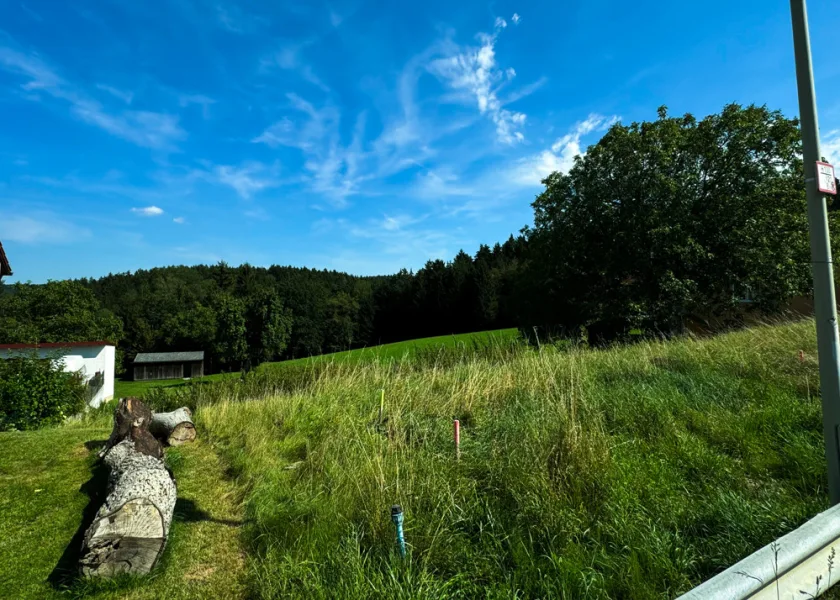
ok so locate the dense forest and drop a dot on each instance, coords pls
(246, 315)
(658, 223)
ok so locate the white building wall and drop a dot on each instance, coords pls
(86, 360)
(110, 358)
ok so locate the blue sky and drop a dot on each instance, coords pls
(357, 136)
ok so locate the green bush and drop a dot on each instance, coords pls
(35, 392)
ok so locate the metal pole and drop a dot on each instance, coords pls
(397, 519)
(825, 307)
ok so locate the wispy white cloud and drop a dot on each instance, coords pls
(148, 211)
(379, 246)
(475, 71)
(40, 228)
(232, 18)
(144, 128)
(399, 222)
(201, 100)
(516, 18)
(179, 220)
(247, 179)
(411, 134)
(500, 23)
(290, 58)
(531, 170)
(440, 183)
(123, 95)
(332, 168)
(830, 147)
(524, 91)
(166, 186)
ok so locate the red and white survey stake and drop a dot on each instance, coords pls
(456, 432)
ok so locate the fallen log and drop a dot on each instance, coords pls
(130, 529)
(174, 428)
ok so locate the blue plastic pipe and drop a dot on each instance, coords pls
(397, 518)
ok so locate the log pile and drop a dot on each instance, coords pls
(130, 529)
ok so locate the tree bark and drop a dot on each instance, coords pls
(174, 428)
(131, 420)
(130, 529)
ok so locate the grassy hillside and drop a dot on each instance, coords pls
(633, 472)
(396, 350)
(628, 473)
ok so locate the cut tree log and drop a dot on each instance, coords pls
(174, 428)
(130, 529)
(130, 417)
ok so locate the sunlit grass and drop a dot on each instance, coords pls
(632, 472)
(625, 473)
(46, 485)
(396, 350)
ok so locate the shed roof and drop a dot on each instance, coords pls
(167, 357)
(5, 267)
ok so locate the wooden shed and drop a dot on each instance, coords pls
(168, 365)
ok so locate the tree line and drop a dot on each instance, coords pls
(659, 223)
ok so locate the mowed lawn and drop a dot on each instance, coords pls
(49, 490)
(397, 351)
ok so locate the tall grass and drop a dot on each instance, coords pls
(297, 376)
(624, 473)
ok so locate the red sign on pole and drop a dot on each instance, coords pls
(826, 182)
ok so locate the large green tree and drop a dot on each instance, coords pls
(268, 327)
(58, 311)
(230, 348)
(660, 220)
(343, 321)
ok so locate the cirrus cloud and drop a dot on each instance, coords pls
(531, 170)
(475, 71)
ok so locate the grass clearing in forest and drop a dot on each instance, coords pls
(396, 351)
(633, 472)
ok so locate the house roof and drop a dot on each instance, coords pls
(54, 345)
(167, 357)
(5, 267)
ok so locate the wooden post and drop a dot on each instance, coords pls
(457, 434)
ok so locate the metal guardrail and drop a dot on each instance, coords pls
(798, 565)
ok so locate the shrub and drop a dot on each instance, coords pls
(35, 392)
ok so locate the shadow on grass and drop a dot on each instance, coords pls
(187, 511)
(95, 444)
(66, 571)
